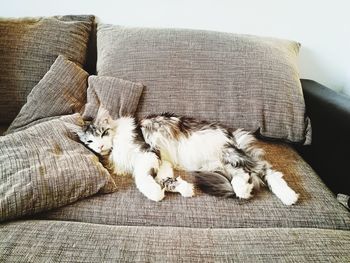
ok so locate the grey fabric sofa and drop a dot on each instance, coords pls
(124, 226)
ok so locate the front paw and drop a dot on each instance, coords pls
(156, 194)
(150, 189)
(289, 197)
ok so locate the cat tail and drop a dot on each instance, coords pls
(246, 141)
(214, 183)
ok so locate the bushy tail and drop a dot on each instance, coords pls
(219, 184)
(245, 141)
(214, 183)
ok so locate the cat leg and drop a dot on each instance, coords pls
(165, 177)
(240, 182)
(280, 188)
(146, 166)
(236, 162)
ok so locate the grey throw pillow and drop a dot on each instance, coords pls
(60, 92)
(120, 97)
(239, 80)
(42, 163)
(29, 46)
(45, 167)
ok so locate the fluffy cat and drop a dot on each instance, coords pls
(225, 161)
(121, 140)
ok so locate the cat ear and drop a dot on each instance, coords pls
(103, 116)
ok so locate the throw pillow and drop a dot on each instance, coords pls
(28, 47)
(60, 92)
(120, 97)
(45, 167)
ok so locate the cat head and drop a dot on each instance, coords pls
(98, 134)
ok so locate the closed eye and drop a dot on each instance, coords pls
(89, 141)
(105, 133)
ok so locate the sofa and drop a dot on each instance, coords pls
(59, 203)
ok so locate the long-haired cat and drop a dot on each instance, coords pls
(225, 161)
(121, 140)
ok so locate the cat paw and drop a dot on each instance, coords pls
(156, 195)
(242, 189)
(289, 197)
(149, 188)
(184, 188)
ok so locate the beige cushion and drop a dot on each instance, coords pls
(61, 91)
(239, 80)
(62, 241)
(45, 167)
(120, 97)
(29, 46)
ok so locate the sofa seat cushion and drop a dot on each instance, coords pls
(69, 241)
(317, 206)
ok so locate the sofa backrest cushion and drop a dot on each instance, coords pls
(242, 81)
(29, 46)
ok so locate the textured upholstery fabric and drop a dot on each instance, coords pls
(29, 46)
(43, 241)
(44, 167)
(317, 207)
(242, 81)
(119, 97)
(61, 91)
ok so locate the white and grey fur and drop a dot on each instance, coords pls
(123, 142)
(226, 162)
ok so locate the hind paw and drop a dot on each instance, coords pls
(242, 189)
(184, 188)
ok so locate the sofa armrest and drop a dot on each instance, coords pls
(330, 149)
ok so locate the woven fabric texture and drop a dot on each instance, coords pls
(42, 162)
(29, 46)
(317, 207)
(60, 92)
(45, 167)
(43, 241)
(120, 97)
(239, 80)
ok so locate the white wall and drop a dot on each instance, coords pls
(321, 26)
